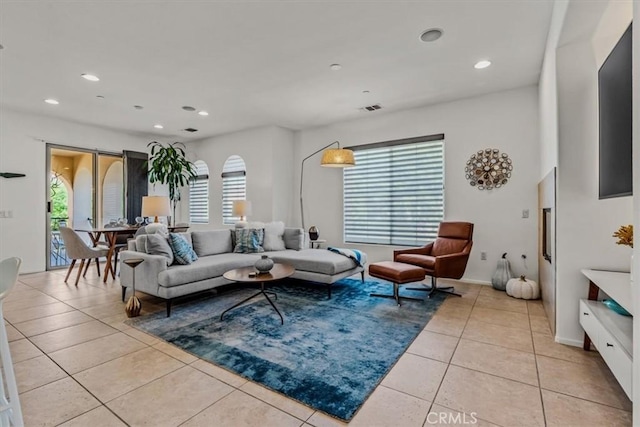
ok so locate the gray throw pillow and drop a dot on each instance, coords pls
(294, 238)
(211, 242)
(158, 245)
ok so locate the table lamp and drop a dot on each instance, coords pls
(156, 206)
(241, 208)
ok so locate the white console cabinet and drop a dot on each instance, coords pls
(611, 333)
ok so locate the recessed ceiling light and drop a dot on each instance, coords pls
(482, 64)
(158, 126)
(203, 113)
(431, 35)
(138, 107)
(335, 67)
(51, 101)
(366, 92)
(99, 96)
(188, 108)
(90, 77)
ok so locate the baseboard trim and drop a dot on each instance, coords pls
(464, 280)
(476, 282)
(569, 341)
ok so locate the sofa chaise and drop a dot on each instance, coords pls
(215, 256)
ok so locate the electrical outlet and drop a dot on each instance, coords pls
(525, 213)
(483, 256)
(3, 214)
(9, 214)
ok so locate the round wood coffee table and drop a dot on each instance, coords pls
(279, 271)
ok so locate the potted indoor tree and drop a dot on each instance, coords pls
(168, 165)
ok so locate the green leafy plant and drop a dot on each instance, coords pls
(168, 165)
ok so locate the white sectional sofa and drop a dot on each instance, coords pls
(215, 256)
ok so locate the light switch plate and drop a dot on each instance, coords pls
(525, 213)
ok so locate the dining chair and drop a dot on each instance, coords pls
(77, 249)
(10, 411)
(181, 227)
(121, 244)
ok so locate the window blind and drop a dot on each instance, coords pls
(395, 193)
(234, 187)
(199, 195)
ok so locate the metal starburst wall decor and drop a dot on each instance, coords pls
(488, 169)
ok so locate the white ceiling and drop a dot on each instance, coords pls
(260, 62)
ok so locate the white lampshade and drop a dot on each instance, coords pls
(156, 206)
(241, 208)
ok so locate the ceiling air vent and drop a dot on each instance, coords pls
(190, 130)
(373, 107)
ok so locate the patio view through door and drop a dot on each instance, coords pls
(85, 189)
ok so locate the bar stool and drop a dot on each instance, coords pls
(10, 410)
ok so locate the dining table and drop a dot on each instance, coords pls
(111, 235)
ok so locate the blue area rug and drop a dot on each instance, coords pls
(329, 354)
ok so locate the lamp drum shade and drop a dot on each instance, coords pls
(156, 206)
(337, 158)
(241, 208)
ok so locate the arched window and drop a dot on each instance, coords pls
(199, 195)
(113, 193)
(234, 187)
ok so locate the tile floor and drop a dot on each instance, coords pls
(484, 359)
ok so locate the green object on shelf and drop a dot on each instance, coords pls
(612, 305)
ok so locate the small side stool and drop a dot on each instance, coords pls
(134, 305)
(397, 273)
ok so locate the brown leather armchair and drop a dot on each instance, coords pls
(445, 257)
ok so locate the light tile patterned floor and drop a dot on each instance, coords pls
(484, 359)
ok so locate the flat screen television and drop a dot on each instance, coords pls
(615, 121)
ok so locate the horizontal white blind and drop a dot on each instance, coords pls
(199, 195)
(234, 187)
(395, 194)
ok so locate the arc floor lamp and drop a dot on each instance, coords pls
(331, 158)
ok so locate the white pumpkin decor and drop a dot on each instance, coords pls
(502, 274)
(523, 288)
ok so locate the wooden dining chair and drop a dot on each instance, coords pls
(77, 249)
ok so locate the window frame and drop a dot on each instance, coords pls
(196, 185)
(228, 178)
(394, 239)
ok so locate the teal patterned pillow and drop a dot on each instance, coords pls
(249, 240)
(183, 253)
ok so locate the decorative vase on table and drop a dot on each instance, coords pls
(314, 233)
(264, 264)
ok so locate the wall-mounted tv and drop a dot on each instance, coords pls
(615, 121)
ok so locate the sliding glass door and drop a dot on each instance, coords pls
(85, 188)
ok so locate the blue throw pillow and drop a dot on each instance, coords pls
(183, 253)
(249, 240)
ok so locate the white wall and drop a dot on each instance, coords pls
(505, 120)
(584, 223)
(547, 93)
(22, 151)
(268, 156)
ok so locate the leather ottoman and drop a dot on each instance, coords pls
(398, 274)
